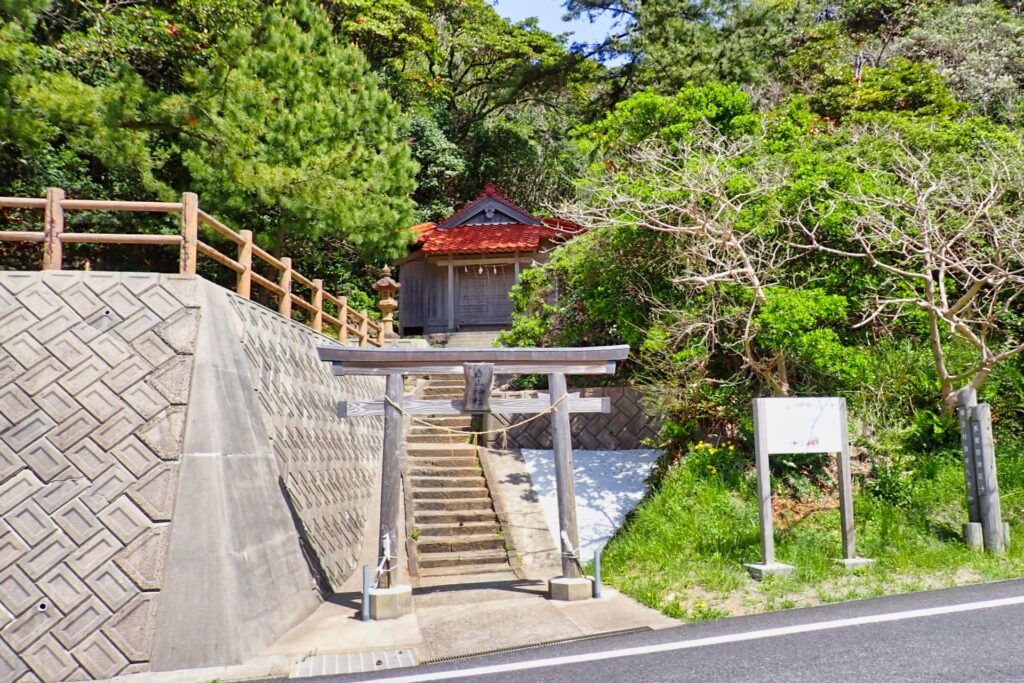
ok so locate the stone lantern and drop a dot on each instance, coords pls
(386, 288)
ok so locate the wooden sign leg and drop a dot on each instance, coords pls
(561, 439)
(846, 490)
(391, 482)
(768, 565)
(850, 559)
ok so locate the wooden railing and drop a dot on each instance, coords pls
(349, 324)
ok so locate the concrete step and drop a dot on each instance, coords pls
(453, 472)
(444, 461)
(448, 382)
(458, 529)
(463, 559)
(417, 430)
(464, 482)
(419, 494)
(435, 449)
(472, 339)
(427, 518)
(457, 544)
(442, 392)
(444, 437)
(499, 571)
(446, 420)
(438, 503)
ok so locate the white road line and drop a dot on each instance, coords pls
(704, 642)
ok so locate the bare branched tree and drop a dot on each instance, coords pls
(695, 192)
(943, 236)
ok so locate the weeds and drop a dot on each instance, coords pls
(682, 550)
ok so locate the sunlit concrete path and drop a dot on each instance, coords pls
(969, 633)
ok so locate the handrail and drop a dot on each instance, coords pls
(104, 205)
(53, 236)
(267, 257)
(220, 227)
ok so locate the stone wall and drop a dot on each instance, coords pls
(625, 427)
(149, 425)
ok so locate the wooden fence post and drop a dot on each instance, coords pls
(318, 305)
(343, 317)
(243, 284)
(284, 302)
(189, 233)
(53, 250)
(364, 328)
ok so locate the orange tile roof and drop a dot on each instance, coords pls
(491, 237)
(423, 228)
(481, 239)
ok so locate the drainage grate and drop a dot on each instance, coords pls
(533, 646)
(353, 663)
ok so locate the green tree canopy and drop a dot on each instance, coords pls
(289, 123)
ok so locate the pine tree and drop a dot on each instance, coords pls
(290, 125)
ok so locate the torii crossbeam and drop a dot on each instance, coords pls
(479, 367)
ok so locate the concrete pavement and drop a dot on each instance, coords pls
(959, 634)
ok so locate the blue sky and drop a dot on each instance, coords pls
(549, 14)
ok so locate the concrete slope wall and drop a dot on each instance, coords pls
(329, 465)
(150, 426)
(235, 575)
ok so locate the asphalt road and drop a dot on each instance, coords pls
(972, 633)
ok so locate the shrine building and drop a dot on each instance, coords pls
(458, 274)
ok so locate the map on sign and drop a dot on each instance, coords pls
(801, 425)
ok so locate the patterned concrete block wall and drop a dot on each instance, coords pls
(625, 427)
(94, 379)
(328, 465)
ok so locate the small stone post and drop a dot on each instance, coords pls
(386, 288)
(993, 531)
(967, 400)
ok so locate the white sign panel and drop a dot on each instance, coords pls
(801, 425)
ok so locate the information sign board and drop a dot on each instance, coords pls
(802, 425)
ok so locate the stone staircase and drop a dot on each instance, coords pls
(473, 339)
(456, 529)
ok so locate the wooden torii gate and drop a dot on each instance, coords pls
(479, 367)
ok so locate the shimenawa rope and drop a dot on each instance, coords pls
(460, 432)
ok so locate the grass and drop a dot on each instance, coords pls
(682, 549)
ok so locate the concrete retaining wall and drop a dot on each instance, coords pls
(626, 427)
(149, 427)
(329, 465)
